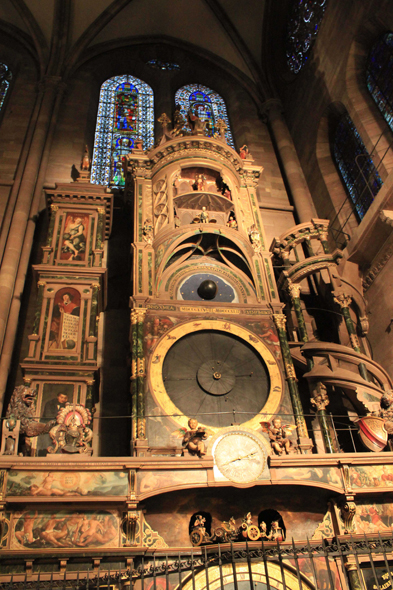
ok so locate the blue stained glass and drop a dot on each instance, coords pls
(379, 76)
(356, 166)
(125, 114)
(207, 104)
(303, 27)
(5, 78)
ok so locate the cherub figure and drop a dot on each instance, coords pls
(263, 529)
(193, 439)
(278, 435)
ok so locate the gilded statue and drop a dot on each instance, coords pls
(278, 435)
(193, 439)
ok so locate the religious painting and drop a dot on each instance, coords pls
(67, 483)
(371, 476)
(265, 329)
(64, 325)
(155, 327)
(54, 397)
(32, 529)
(74, 237)
(328, 475)
(373, 518)
(158, 480)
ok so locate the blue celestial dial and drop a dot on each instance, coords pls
(207, 287)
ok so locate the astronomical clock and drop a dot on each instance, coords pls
(207, 324)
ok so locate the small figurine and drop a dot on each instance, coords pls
(85, 164)
(147, 231)
(263, 529)
(193, 439)
(276, 532)
(232, 221)
(199, 535)
(204, 216)
(200, 182)
(279, 440)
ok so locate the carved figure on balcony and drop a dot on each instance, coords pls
(71, 433)
(278, 435)
(244, 153)
(22, 407)
(197, 125)
(204, 216)
(178, 123)
(232, 221)
(221, 127)
(198, 533)
(193, 439)
(200, 182)
(263, 529)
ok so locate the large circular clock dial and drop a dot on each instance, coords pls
(216, 378)
(239, 456)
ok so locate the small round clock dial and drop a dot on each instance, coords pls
(240, 457)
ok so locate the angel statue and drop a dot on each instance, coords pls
(278, 435)
(193, 438)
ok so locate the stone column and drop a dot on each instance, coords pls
(289, 159)
(353, 576)
(138, 374)
(320, 400)
(294, 293)
(344, 301)
(16, 236)
(305, 442)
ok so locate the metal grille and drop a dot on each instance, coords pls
(346, 562)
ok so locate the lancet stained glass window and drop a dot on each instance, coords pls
(356, 166)
(380, 76)
(125, 115)
(5, 78)
(207, 104)
(303, 27)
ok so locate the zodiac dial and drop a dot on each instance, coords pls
(240, 456)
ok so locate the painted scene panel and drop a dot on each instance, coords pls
(371, 476)
(67, 483)
(31, 529)
(64, 325)
(328, 475)
(73, 246)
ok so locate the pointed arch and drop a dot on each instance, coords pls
(125, 114)
(207, 104)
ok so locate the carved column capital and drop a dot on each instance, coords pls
(294, 290)
(343, 300)
(320, 397)
(138, 316)
(280, 320)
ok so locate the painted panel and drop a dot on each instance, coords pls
(64, 325)
(67, 483)
(328, 475)
(74, 238)
(31, 529)
(159, 480)
(371, 476)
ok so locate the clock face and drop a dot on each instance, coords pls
(216, 378)
(240, 457)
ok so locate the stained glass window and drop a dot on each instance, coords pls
(158, 64)
(207, 105)
(355, 165)
(125, 115)
(5, 78)
(303, 27)
(380, 76)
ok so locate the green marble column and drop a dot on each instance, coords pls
(280, 321)
(344, 301)
(294, 292)
(100, 228)
(89, 395)
(353, 576)
(37, 315)
(320, 400)
(138, 374)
